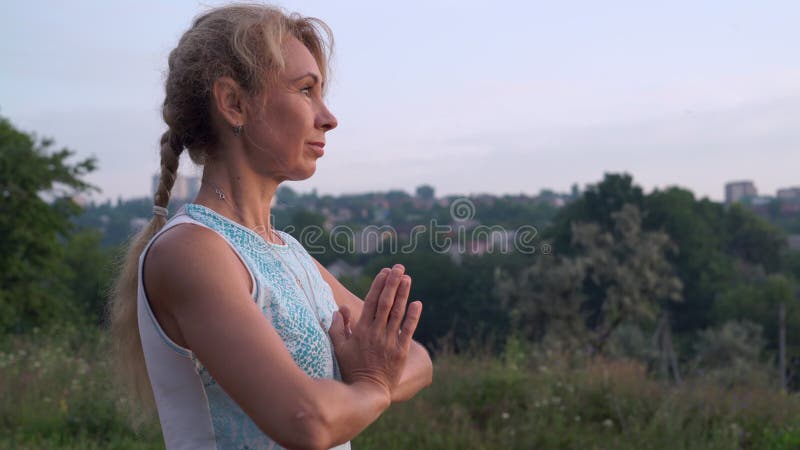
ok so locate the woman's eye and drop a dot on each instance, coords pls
(306, 90)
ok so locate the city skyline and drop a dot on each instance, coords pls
(543, 97)
(187, 186)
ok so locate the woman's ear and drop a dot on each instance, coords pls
(229, 99)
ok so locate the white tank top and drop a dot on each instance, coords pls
(194, 411)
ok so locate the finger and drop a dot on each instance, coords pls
(344, 310)
(371, 300)
(410, 324)
(387, 296)
(346, 317)
(399, 308)
(336, 331)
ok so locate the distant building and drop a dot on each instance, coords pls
(184, 189)
(792, 193)
(739, 191)
(760, 200)
(789, 199)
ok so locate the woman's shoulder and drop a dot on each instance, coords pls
(182, 241)
(188, 256)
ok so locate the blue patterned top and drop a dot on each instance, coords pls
(298, 321)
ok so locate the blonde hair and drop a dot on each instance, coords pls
(243, 42)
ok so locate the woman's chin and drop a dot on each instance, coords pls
(312, 170)
(305, 174)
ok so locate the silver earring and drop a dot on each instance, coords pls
(237, 130)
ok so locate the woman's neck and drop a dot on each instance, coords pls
(242, 197)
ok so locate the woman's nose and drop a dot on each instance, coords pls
(326, 120)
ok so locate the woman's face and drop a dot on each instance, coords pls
(286, 133)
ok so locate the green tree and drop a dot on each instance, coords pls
(287, 195)
(758, 301)
(791, 263)
(717, 245)
(697, 228)
(614, 276)
(425, 192)
(36, 190)
(598, 203)
(731, 354)
(89, 270)
(753, 239)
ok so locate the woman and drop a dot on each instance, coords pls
(242, 338)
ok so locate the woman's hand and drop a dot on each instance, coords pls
(375, 350)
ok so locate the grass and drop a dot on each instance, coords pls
(55, 392)
(486, 404)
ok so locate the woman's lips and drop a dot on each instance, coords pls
(319, 147)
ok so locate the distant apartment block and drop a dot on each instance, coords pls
(789, 199)
(185, 188)
(739, 191)
(792, 193)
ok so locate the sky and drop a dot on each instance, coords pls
(469, 97)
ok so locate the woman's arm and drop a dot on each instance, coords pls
(417, 374)
(193, 273)
(418, 371)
